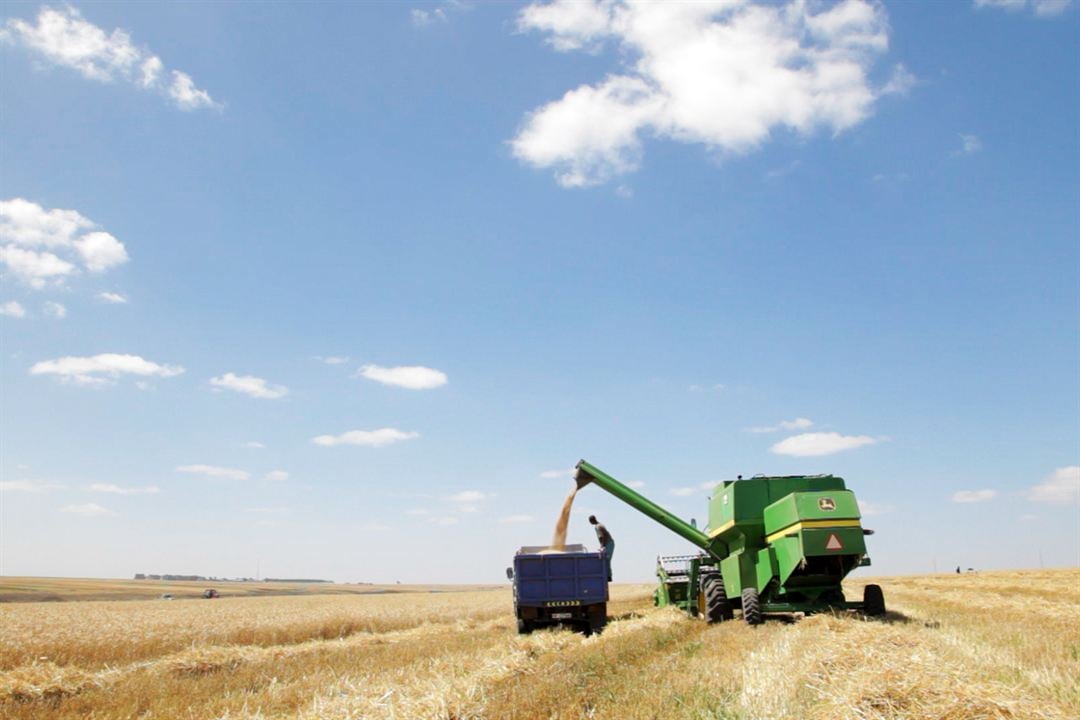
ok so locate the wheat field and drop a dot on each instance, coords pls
(986, 646)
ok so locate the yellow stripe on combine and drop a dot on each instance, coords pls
(722, 528)
(812, 524)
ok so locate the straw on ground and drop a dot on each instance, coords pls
(986, 646)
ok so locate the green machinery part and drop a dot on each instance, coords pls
(773, 544)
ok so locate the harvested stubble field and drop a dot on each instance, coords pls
(993, 645)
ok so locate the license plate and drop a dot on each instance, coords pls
(562, 616)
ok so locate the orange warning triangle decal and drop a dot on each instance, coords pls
(833, 543)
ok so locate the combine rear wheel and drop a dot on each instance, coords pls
(524, 626)
(751, 606)
(873, 600)
(717, 607)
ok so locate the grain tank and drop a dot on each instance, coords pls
(772, 544)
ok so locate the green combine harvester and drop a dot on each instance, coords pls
(772, 545)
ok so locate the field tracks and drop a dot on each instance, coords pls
(951, 648)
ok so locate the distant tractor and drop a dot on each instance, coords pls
(568, 588)
(772, 545)
(210, 594)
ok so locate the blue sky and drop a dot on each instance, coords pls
(342, 290)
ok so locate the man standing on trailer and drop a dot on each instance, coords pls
(607, 543)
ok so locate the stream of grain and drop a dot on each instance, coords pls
(558, 540)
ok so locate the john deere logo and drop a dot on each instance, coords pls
(826, 504)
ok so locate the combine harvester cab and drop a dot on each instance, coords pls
(773, 545)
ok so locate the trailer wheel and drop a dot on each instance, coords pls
(873, 600)
(524, 626)
(597, 615)
(717, 607)
(751, 606)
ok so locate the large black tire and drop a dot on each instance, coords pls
(524, 627)
(717, 607)
(751, 606)
(873, 601)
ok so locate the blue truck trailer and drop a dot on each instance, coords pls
(568, 587)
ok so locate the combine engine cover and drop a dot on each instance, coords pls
(816, 539)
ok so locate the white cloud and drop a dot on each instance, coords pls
(27, 223)
(974, 496)
(62, 37)
(332, 359)
(440, 14)
(112, 298)
(799, 423)
(709, 484)
(1061, 487)
(117, 490)
(87, 510)
(1041, 8)
(421, 18)
(250, 385)
(571, 25)
(266, 510)
(969, 144)
(413, 377)
(683, 491)
(55, 310)
(26, 228)
(102, 369)
(28, 486)
(820, 443)
(100, 251)
(557, 474)
(1050, 8)
(34, 268)
(448, 520)
(636, 484)
(727, 75)
(150, 72)
(276, 475)
(869, 509)
(186, 95)
(366, 438)
(418, 511)
(468, 496)
(214, 471)
(13, 309)
(516, 519)
(253, 444)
